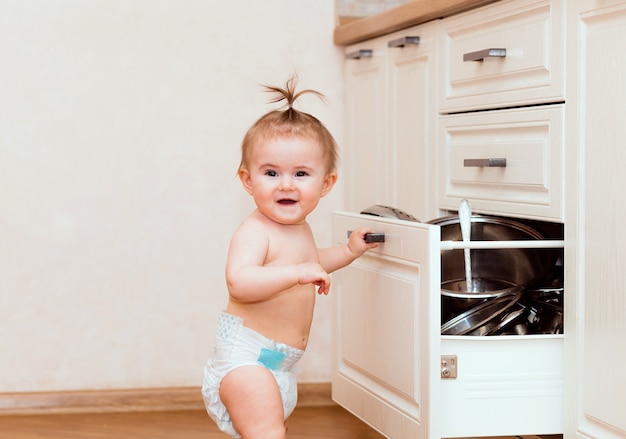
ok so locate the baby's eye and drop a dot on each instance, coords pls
(301, 174)
(271, 173)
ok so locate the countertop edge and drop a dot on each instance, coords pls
(400, 17)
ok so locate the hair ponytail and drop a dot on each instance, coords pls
(289, 93)
(289, 122)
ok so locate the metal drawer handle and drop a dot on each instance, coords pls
(486, 53)
(361, 53)
(371, 237)
(485, 163)
(404, 41)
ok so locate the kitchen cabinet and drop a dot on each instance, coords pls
(595, 352)
(560, 134)
(391, 122)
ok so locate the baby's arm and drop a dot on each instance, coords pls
(334, 258)
(249, 280)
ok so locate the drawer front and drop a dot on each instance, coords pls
(384, 334)
(505, 386)
(529, 71)
(507, 162)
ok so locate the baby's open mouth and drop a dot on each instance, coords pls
(286, 201)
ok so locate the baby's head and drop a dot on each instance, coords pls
(289, 123)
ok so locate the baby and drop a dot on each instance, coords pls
(273, 267)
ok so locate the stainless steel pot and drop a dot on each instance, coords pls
(506, 268)
(519, 266)
(512, 322)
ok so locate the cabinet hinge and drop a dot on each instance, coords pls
(448, 366)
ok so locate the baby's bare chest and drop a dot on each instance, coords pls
(293, 249)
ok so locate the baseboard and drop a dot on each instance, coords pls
(314, 395)
(118, 400)
(129, 400)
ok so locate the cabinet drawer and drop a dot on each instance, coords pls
(530, 71)
(530, 142)
(516, 380)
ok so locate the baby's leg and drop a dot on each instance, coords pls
(253, 401)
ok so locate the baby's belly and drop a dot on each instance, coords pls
(285, 321)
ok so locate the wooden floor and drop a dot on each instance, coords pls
(305, 423)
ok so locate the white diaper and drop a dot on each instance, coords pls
(236, 346)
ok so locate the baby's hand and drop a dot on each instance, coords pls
(357, 244)
(312, 273)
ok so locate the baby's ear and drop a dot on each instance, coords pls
(244, 176)
(329, 182)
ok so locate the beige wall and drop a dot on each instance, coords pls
(120, 124)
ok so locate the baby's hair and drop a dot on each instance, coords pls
(289, 123)
(289, 92)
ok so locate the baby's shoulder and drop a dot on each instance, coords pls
(251, 227)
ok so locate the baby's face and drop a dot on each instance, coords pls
(287, 177)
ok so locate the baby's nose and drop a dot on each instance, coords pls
(286, 182)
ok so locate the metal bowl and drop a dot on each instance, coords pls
(473, 319)
(456, 299)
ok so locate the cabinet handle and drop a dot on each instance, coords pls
(371, 237)
(485, 163)
(361, 53)
(486, 53)
(404, 41)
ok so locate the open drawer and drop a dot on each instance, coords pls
(389, 349)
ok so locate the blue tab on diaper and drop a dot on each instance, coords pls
(273, 360)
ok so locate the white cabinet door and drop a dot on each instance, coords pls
(412, 79)
(595, 223)
(391, 122)
(387, 353)
(365, 158)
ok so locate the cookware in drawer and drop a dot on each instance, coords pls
(506, 162)
(509, 53)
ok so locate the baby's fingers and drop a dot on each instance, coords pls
(323, 287)
(357, 243)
